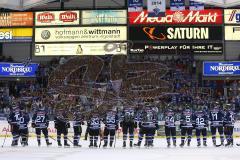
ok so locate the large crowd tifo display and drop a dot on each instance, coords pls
(111, 81)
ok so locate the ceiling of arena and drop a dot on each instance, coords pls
(49, 4)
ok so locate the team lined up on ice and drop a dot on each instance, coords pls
(146, 120)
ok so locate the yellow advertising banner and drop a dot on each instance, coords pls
(16, 34)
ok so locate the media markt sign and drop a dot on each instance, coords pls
(208, 16)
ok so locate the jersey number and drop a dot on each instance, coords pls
(200, 121)
(40, 119)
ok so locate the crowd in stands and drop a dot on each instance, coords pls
(91, 83)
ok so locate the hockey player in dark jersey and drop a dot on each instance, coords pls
(111, 125)
(23, 127)
(77, 128)
(148, 125)
(62, 124)
(170, 127)
(128, 124)
(40, 121)
(94, 125)
(13, 121)
(228, 123)
(186, 126)
(216, 121)
(200, 123)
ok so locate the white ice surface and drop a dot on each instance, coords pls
(158, 152)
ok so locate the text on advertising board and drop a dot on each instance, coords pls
(14, 19)
(104, 17)
(79, 49)
(175, 33)
(81, 34)
(221, 68)
(232, 33)
(232, 16)
(18, 70)
(57, 18)
(208, 16)
(16, 34)
(177, 48)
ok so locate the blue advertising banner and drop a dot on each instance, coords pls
(221, 68)
(156, 8)
(18, 70)
(135, 5)
(195, 6)
(177, 5)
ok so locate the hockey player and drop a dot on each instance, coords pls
(77, 128)
(229, 126)
(94, 125)
(200, 123)
(23, 127)
(127, 123)
(111, 125)
(216, 122)
(170, 127)
(62, 124)
(40, 121)
(13, 121)
(148, 125)
(186, 126)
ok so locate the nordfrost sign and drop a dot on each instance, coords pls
(221, 68)
(18, 70)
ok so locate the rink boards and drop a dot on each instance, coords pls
(5, 129)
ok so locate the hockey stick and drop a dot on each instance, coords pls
(115, 141)
(52, 138)
(69, 140)
(4, 139)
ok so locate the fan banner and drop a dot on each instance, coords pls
(177, 5)
(135, 5)
(195, 6)
(156, 8)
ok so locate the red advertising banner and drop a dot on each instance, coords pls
(208, 16)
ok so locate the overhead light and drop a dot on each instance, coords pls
(22, 4)
(221, 3)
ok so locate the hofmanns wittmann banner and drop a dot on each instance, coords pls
(170, 33)
(156, 8)
(177, 48)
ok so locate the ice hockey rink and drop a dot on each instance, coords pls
(158, 152)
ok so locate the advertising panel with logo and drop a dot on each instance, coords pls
(177, 5)
(18, 70)
(135, 5)
(14, 19)
(232, 33)
(177, 48)
(16, 34)
(79, 49)
(164, 33)
(50, 18)
(104, 17)
(81, 34)
(221, 68)
(232, 16)
(208, 16)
